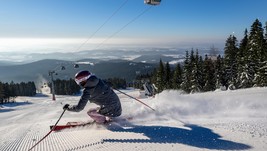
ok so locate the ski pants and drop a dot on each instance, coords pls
(97, 117)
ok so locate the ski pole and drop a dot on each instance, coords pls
(135, 99)
(48, 132)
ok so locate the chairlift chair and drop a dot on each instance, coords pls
(76, 66)
(63, 67)
(152, 2)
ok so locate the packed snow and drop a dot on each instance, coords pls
(220, 120)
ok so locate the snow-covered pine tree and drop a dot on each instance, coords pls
(255, 52)
(186, 82)
(209, 75)
(230, 61)
(265, 42)
(220, 72)
(244, 77)
(200, 72)
(262, 73)
(196, 74)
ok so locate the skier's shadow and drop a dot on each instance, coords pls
(192, 135)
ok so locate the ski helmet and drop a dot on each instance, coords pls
(81, 77)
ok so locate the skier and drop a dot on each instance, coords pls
(96, 91)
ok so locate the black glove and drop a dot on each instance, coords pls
(66, 106)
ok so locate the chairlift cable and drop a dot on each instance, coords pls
(131, 21)
(100, 27)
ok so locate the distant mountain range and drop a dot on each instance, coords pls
(129, 55)
(104, 63)
(39, 70)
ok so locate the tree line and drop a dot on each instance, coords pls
(9, 91)
(243, 65)
(65, 87)
(69, 87)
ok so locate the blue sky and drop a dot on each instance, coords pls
(64, 25)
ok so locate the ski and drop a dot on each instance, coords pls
(69, 125)
(81, 124)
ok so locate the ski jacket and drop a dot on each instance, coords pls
(96, 91)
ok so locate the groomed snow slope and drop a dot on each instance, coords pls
(221, 120)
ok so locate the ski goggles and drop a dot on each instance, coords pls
(83, 80)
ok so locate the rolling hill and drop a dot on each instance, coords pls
(104, 69)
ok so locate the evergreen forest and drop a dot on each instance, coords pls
(9, 91)
(243, 65)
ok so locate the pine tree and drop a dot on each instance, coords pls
(220, 72)
(160, 79)
(209, 75)
(177, 77)
(6, 92)
(186, 84)
(255, 52)
(196, 74)
(200, 72)
(264, 67)
(1, 93)
(230, 61)
(244, 77)
(13, 90)
(265, 43)
(243, 49)
(33, 89)
(168, 84)
(262, 73)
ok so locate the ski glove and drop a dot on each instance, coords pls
(66, 106)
